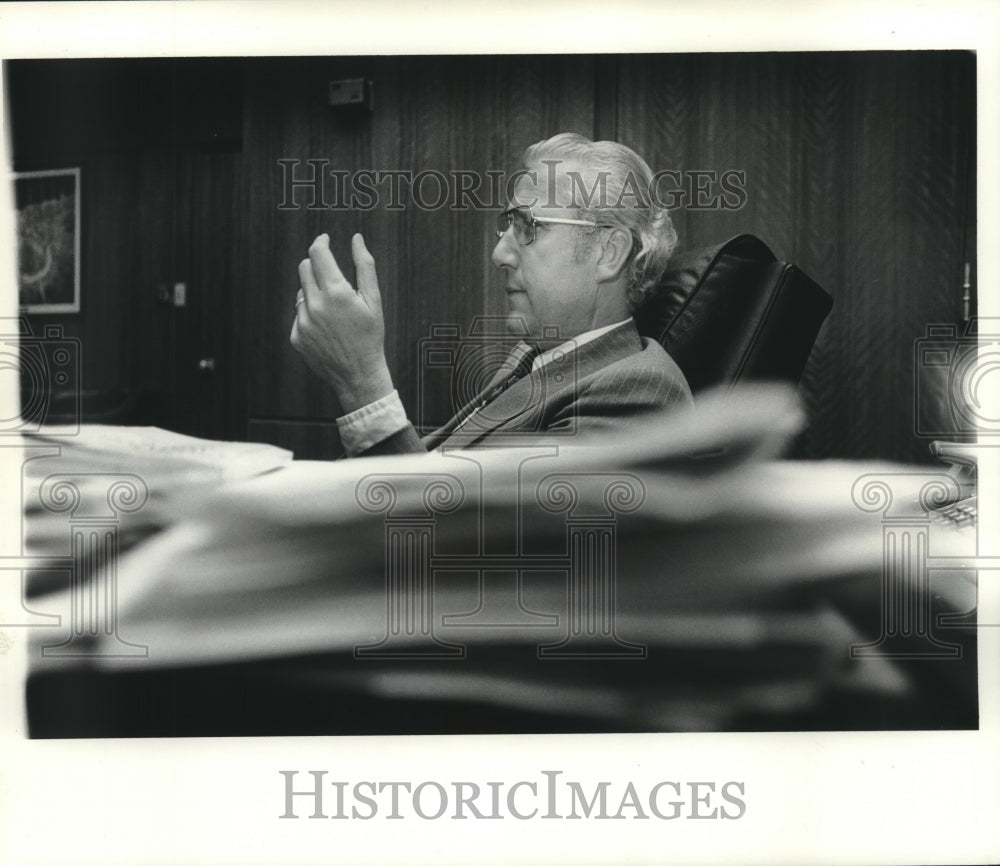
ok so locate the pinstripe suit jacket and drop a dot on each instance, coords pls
(599, 386)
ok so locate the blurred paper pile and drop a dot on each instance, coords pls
(159, 474)
(679, 579)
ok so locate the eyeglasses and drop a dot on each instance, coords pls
(524, 222)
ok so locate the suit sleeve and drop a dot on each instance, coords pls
(379, 428)
(614, 398)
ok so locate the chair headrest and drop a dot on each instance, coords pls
(732, 311)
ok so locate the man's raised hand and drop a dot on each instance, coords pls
(340, 332)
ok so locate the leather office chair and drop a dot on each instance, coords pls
(733, 312)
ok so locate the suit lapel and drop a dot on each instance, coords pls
(514, 408)
(435, 439)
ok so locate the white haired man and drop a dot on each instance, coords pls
(581, 242)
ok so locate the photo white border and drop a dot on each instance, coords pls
(811, 798)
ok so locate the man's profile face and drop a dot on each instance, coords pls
(551, 283)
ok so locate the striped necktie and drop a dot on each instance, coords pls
(526, 355)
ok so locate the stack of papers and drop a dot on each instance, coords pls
(167, 472)
(704, 595)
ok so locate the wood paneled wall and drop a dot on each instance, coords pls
(434, 269)
(859, 167)
(158, 145)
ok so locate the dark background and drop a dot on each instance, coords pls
(859, 168)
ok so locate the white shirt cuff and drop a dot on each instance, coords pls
(370, 424)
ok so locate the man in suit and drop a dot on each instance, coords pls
(581, 243)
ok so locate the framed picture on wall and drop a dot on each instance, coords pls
(48, 240)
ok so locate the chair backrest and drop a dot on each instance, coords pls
(733, 312)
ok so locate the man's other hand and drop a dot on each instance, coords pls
(340, 332)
